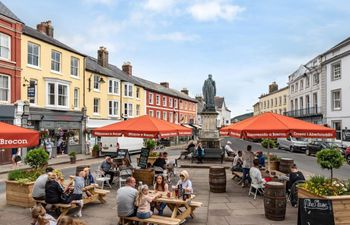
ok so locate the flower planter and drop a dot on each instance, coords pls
(274, 165)
(19, 194)
(341, 205)
(94, 154)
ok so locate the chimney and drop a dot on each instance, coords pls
(127, 68)
(185, 91)
(199, 98)
(45, 28)
(165, 84)
(102, 56)
(273, 87)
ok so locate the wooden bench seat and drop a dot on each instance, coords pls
(195, 204)
(154, 219)
(210, 153)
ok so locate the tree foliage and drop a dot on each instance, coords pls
(330, 159)
(37, 158)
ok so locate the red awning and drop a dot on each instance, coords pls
(142, 127)
(271, 125)
(12, 136)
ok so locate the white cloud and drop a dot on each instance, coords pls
(175, 36)
(102, 2)
(214, 10)
(159, 5)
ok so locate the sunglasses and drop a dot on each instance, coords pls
(182, 176)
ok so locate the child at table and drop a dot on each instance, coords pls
(185, 182)
(160, 185)
(143, 202)
(77, 195)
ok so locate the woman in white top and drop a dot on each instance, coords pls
(185, 182)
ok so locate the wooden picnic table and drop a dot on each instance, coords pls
(175, 204)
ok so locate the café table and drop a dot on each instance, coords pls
(175, 204)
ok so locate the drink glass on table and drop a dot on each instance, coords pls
(168, 194)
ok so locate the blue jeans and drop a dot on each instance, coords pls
(245, 175)
(143, 215)
(161, 208)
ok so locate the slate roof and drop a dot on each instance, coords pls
(8, 13)
(241, 117)
(161, 89)
(43, 37)
(219, 102)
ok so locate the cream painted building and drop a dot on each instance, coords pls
(275, 101)
(52, 83)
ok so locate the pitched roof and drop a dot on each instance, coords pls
(161, 89)
(8, 13)
(219, 102)
(241, 117)
(110, 71)
(43, 37)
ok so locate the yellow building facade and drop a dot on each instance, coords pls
(275, 101)
(53, 84)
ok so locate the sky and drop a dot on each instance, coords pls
(244, 44)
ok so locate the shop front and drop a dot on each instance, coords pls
(7, 115)
(62, 130)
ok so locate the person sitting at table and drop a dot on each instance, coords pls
(261, 159)
(126, 197)
(38, 192)
(160, 164)
(162, 186)
(294, 176)
(89, 179)
(67, 220)
(229, 150)
(126, 169)
(40, 217)
(185, 182)
(54, 192)
(237, 162)
(107, 166)
(77, 195)
(143, 202)
(255, 174)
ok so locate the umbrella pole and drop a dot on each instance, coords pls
(268, 157)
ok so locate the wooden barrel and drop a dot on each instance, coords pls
(217, 179)
(275, 201)
(285, 165)
(80, 168)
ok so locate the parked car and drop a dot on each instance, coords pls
(338, 145)
(347, 155)
(292, 144)
(316, 146)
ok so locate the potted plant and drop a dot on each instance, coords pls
(95, 151)
(150, 144)
(20, 182)
(73, 157)
(333, 189)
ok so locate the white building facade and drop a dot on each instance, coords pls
(224, 117)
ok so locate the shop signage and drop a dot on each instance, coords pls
(346, 135)
(31, 92)
(144, 158)
(315, 212)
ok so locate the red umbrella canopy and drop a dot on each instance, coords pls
(142, 127)
(12, 136)
(271, 125)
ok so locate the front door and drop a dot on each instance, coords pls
(5, 156)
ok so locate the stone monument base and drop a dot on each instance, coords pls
(209, 135)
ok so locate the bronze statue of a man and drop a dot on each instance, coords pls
(209, 92)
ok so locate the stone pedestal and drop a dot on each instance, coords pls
(209, 135)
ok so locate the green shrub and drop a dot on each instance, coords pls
(24, 176)
(72, 154)
(37, 158)
(330, 159)
(269, 143)
(96, 148)
(323, 186)
(150, 144)
(274, 157)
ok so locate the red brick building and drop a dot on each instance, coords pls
(10, 56)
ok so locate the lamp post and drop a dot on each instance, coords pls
(25, 114)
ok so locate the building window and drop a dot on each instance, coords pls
(55, 61)
(165, 116)
(5, 46)
(292, 89)
(74, 66)
(296, 87)
(264, 104)
(113, 87)
(51, 94)
(151, 113)
(128, 109)
(307, 82)
(34, 92)
(62, 95)
(336, 71)
(280, 101)
(307, 101)
(113, 108)
(97, 83)
(33, 54)
(58, 94)
(292, 105)
(171, 119)
(76, 98)
(284, 99)
(337, 126)
(316, 79)
(271, 103)
(276, 102)
(175, 103)
(336, 100)
(4, 88)
(314, 99)
(128, 90)
(164, 101)
(150, 100)
(138, 110)
(158, 114)
(170, 102)
(301, 102)
(96, 105)
(137, 92)
(301, 84)
(157, 100)
(296, 104)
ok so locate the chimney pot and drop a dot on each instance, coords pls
(45, 28)
(102, 56)
(185, 91)
(164, 84)
(127, 68)
(273, 87)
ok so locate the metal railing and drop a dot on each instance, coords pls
(311, 111)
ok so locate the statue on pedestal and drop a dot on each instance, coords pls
(209, 92)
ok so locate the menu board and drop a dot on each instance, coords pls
(315, 212)
(144, 158)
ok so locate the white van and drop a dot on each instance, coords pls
(293, 144)
(109, 144)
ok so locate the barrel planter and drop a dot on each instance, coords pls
(217, 179)
(146, 176)
(19, 194)
(341, 205)
(275, 201)
(274, 165)
(285, 165)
